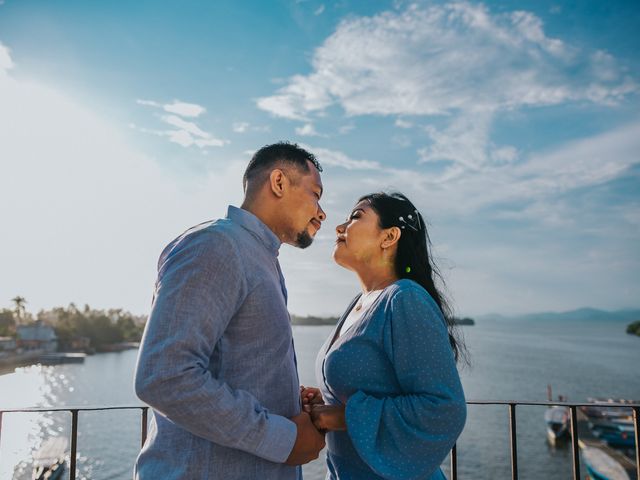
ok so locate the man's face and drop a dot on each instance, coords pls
(305, 215)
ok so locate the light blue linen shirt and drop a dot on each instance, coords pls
(217, 362)
(395, 371)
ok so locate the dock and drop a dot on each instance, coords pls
(62, 357)
(587, 438)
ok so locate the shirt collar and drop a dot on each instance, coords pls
(255, 226)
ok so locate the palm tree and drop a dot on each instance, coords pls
(20, 303)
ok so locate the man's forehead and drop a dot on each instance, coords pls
(314, 175)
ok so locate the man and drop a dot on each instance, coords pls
(217, 362)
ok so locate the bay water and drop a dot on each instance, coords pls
(510, 360)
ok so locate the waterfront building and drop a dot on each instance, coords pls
(37, 336)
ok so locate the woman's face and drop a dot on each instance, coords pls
(359, 239)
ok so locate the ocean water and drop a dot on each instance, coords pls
(509, 361)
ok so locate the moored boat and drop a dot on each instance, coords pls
(49, 459)
(557, 420)
(601, 466)
(618, 433)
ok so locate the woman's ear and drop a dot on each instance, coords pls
(391, 237)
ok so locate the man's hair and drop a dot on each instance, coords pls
(265, 159)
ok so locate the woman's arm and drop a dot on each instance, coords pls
(408, 435)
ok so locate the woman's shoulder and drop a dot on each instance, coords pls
(405, 287)
(407, 293)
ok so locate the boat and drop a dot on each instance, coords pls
(604, 411)
(618, 433)
(49, 459)
(557, 419)
(601, 466)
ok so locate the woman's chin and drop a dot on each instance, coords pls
(338, 257)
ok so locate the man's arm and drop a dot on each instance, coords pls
(200, 287)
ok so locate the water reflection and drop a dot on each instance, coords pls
(510, 361)
(102, 380)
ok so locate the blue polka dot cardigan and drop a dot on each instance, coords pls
(395, 371)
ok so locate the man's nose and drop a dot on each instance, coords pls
(321, 215)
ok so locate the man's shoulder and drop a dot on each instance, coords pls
(212, 237)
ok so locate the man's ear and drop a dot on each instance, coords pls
(278, 182)
(391, 237)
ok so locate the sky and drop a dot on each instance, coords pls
(513, 126)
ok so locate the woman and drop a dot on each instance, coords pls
(390, 398)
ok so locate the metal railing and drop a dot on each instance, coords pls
(73, 454)
(454, 453)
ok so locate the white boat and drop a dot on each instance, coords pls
(557, 419)
(49, 459)
(601, 466)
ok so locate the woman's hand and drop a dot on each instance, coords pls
(328, 417)
(310, 396)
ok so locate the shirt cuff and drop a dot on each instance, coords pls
(278, 440)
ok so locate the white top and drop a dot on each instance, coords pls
(359, 309)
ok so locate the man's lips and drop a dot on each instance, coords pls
(316, 224)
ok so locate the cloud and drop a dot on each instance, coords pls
(240, 127)
(319, 10)
(189, 110)
(459, 62)
(88, 213)
(308, 130)
(579, 164)
(344, 129)
(188, 133)
(335, 158)
(5, 59)
(401, 123)
(431, 60)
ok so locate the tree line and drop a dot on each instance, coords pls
(101, 327)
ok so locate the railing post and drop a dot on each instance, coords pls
(74, 444)
(575, 449)
(144, 425)
(454, 463)
(1, 428)
(636, 424)
(514, 441)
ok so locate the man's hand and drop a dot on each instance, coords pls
(328, 417)
(310, 396)
(309, 441)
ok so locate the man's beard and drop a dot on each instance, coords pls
(303, 240)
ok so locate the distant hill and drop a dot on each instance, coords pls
(582, 314)
(310, 320)
(464, 321)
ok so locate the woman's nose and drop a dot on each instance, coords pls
(340, 228)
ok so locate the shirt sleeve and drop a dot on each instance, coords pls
(200, 287)
(408, 436)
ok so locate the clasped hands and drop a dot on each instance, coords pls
(324, 417)
(312, 423)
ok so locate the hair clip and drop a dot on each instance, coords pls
(412, 221)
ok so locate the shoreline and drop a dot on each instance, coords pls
(10, 363)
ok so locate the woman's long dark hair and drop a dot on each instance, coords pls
(413, 257)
